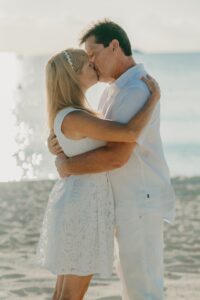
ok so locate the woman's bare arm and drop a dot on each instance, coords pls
(79, 124)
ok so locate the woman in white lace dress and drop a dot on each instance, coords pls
(77, 233)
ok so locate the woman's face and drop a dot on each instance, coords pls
(88, 75)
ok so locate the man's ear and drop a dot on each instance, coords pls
(114, 44)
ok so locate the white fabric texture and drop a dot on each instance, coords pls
(140, 258)
(146, 175)
(77, 234)
(142, 192)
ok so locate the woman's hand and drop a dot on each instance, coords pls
(153, 86)
(53, 144)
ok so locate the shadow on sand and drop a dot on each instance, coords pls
(110, 298)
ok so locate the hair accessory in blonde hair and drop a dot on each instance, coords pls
(68, 59)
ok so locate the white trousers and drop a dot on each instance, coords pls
(139, 237)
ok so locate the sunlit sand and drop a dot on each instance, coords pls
(22, 205)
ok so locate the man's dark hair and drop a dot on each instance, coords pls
(104, 32)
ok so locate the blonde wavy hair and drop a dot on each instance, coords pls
(62, 83)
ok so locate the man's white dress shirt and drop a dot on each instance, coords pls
(145, 177)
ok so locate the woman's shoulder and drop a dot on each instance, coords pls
(61, 119)
(61, 114)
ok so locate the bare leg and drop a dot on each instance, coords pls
(74, 287)
(58, 287)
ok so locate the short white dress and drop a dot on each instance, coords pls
(77, 233)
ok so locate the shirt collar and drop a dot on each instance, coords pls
(126, 76)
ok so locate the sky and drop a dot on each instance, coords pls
(46, 26)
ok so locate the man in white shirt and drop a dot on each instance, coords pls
(138, 171)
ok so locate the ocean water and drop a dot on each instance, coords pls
(23, 129)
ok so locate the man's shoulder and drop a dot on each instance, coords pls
(133, 88)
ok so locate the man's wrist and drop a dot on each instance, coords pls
(61, 162)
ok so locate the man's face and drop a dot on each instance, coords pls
(102, 57)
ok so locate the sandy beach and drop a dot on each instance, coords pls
(22, 205)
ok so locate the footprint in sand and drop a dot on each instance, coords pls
(32, 290)
(12, 276)
(173, 276)
(19, 292)
(7, 268)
